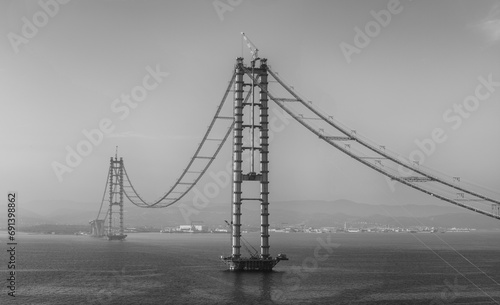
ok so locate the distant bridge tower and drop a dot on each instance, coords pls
(495, 209)
(258, 78)
(116, 197)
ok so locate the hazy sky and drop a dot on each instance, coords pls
(65, 68)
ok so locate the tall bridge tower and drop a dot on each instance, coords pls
(116, 197)
(258, 78)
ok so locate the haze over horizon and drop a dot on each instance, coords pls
(406, 81)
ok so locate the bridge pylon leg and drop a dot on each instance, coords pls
(264, 170)
(237, 158)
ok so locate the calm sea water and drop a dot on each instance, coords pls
(353, 268)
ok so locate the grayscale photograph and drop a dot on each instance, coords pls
(250, 152)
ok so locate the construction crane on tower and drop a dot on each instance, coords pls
(251, 46)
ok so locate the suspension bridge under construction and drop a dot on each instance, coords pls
(252, 91)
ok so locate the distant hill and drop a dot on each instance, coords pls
(310, 213)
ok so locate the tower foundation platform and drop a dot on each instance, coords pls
(116, 236)
(253, 263)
